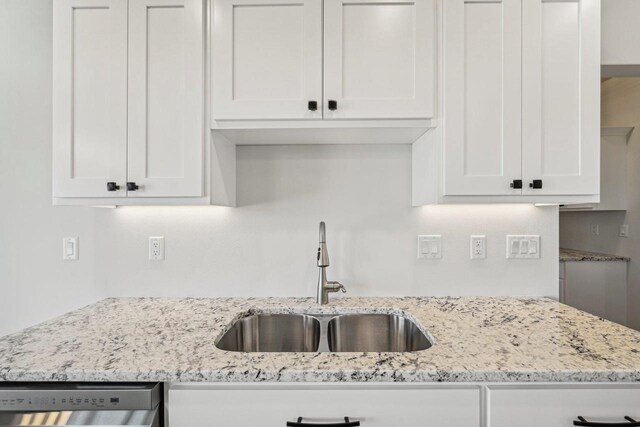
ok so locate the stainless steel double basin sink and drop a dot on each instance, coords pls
(324, 333)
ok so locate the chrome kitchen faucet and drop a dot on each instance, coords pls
(324, 286)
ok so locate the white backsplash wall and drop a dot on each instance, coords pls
(267, 245)
(35, 284)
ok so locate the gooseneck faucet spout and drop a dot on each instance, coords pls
(325, 286)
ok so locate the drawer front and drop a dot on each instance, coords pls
(274, 406)
(559, 407)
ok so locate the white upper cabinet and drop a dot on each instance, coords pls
(521, 101)
(621, 34)
(267, 59)
(482, 84)
(379, 57)
(89, 97)
(561, 97)
(166, 87)
(309, 60)
(128, 101)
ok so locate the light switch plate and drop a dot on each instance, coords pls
(70, 248)
(430, 246)
(523, 246)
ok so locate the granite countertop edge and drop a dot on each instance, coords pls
(575, 255)
(477, 339)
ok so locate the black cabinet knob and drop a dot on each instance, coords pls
(112, 186)
(313, 105)
(333, 105)
(132, 186)
(516, 184)
(536, 184)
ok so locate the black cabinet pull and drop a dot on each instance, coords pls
(536, 184)
(313, 105)
(581, 421)
(112, 186)
(346, 423)
(132, 186)
(516, 184)
(333, 105)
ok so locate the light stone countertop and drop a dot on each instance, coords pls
(574, 255)
(476, 340)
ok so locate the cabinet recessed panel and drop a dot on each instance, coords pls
(482, 78)
(378, 59)
(166, 83)
(268, 51)
(483, 94)
(561, 88)
(266, 59)
(89, 97)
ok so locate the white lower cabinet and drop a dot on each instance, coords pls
(275, 405)
(558, 406)
(597, 287)
(390, 405)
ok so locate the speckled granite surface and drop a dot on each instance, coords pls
(476, 339)
(576, 255)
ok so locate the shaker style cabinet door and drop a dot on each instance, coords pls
(379, 59)
(482, 89)
(89, 98)
(166, 98)
(267, 59)
(561, 97)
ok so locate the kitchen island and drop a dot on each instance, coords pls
(493, 362)
(173, 340)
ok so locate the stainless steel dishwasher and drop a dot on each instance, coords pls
(80, 404)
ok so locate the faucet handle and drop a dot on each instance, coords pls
(333, 286)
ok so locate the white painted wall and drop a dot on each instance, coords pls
(35, 283)
(620, 107)
(265, 247)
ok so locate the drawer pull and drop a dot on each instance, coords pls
(581, 421)
(346, 423)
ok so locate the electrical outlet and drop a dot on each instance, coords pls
(478, 247)
(156, 248)
(595, 229)
(624, 230)
(70, 249)
(430, 246)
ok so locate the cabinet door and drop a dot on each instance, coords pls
(559, 406)
(89, 97)
(274, 406)
(379, 59)
(267, 59)
(166, 97)
(597, 287)
(561, 96)
(482, 85)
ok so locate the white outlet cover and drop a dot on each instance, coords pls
(478, 247)
(70, 248)
(624, 230)
(156, 248)
(430, 246)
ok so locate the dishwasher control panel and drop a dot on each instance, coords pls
(60, 398)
